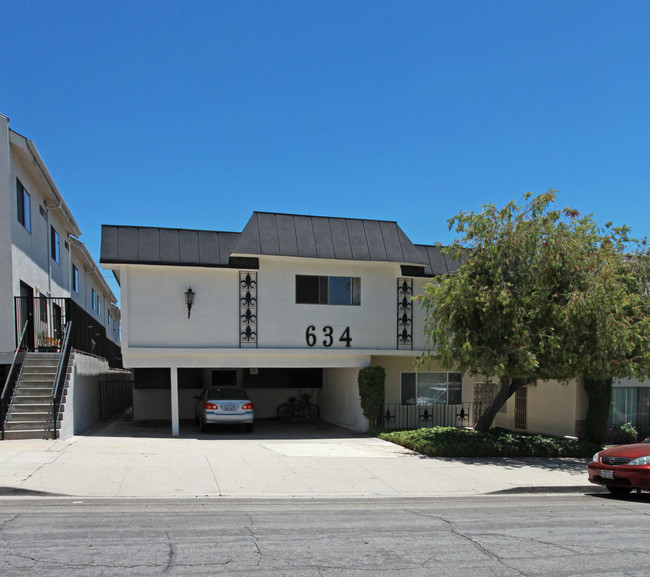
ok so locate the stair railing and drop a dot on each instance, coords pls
(7, 397)
(59, 380)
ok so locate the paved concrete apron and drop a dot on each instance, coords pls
(276, 461)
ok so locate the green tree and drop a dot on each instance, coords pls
(541, 294)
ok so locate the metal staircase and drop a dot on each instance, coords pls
(31, 413)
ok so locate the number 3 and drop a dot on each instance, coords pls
(329, 339)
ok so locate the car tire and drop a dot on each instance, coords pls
(618, 490)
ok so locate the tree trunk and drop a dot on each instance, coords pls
(599, 394)
(507, 389)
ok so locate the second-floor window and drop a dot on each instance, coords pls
(55, 245)
(328, 290)
(24, 203)
(93, 299)
(75, 279)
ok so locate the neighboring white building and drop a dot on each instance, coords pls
(46, 273)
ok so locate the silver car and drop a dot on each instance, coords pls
(223, 406)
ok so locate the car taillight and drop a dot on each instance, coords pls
(211, 406)
(247, 407)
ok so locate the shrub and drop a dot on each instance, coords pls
(371, 390)
(624, 434)
(453, 442)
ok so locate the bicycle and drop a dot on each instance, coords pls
(298, 408)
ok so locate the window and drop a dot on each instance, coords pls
(42, 301)
(432, 388)
(24, 206)
(328, 290)
(55, 245)
(75, 279)
(99, 305)
(630, 405)
(93, 299)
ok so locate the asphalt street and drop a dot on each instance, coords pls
(515, 535)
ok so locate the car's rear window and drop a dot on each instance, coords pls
(229, 394)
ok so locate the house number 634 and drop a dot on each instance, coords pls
(328, 334)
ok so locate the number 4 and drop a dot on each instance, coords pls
(345, 337)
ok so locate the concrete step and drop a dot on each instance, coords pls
(46, 425)
(38, 384)
(26, 408)
(38, 378)
(35, 369)
(32, 374)
(22, 416)
(32, 400)
(42, 356)
(37, 389)
(15, 435)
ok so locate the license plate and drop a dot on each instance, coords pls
(606, 474)
(229, 408)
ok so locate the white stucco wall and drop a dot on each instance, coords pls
(31, 250)
(552, 408)
(339, 400)
(157, 333)
(82, 409)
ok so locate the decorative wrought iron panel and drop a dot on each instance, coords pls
(404, 313)
(399, 416)
(247, 309)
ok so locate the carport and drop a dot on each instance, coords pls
(168, 394)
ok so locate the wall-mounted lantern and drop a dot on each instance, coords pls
(189, 300)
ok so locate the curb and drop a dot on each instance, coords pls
(551, 489)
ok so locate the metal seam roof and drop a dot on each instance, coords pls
(270, 234)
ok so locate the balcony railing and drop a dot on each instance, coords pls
(398, 416)
(46, 319)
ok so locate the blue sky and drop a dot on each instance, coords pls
(194, 114)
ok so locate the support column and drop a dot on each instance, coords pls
(174, 399)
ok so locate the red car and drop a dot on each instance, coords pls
(622, 468)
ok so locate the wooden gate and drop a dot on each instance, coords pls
(521, 400)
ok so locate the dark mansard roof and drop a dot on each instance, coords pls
(273, 234)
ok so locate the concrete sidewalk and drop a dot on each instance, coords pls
(277, 461)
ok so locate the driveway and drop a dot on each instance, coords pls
(308, 460)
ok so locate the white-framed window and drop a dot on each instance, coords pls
(24, 203)
(432, 388)
(75, 279)
(99, 305)
(328, 290)
(93, 299)
(55, 245)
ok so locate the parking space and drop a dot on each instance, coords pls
(265, 429)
